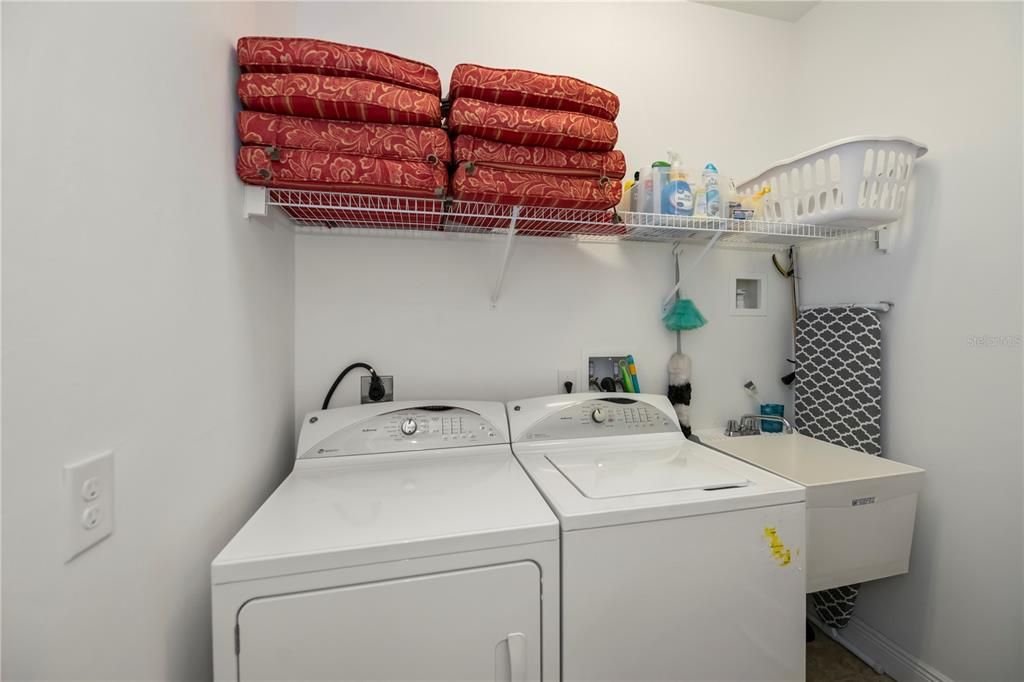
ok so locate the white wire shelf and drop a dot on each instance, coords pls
(373, 215)
(337, 213)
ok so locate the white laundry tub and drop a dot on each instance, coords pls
(860, 508)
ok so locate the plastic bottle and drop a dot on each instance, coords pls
(650, 187)
(623, 204)
(709, 178)
(700, 202)
(660, 177)
(676, 195)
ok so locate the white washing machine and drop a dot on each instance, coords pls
(678, 562)
(406, 544)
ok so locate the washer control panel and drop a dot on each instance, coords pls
(602, 417)
(421, 428)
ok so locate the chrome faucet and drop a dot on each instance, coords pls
(749, 424)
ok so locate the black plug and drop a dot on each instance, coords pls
(568, 386)
(377, 390)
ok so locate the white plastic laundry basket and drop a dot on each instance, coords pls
(853, 183)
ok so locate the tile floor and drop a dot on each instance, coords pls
(830, 662)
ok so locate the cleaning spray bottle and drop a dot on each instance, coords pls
(709, 178)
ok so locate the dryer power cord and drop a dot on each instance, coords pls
(376, 392)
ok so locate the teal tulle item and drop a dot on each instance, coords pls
(683, 315)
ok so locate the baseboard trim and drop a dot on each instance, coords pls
(880, 653)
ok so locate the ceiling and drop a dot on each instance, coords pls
(786, 10)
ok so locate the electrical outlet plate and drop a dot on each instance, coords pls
(565, 375)
(364, 389)
(89, 503)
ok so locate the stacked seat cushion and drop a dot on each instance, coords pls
(334, 171)
(318, 171)
(486, 153)
(531, 126)
(333, 127)
(532, 89)
(534, 189)
(337, 97)
(306, 55)
(378, 140)
(536, 176)
(541, 197)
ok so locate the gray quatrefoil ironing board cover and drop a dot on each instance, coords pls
(838, 399)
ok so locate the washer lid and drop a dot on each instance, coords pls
(618, 473)
(593, 482)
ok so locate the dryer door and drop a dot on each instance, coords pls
(475, 624)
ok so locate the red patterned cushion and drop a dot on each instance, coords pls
(539, 159)
(534, 189)
(345, 99)
(333, 172)
(307, 55)
(532, 89)
(536, 127)
(380, 140)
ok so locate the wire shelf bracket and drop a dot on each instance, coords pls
(507, 253)
(254, 201)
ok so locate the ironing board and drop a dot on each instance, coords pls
(838, 399)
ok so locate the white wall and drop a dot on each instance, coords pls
(950, 75)
(140, 313)
(419, 309)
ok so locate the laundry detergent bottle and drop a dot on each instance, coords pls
(677, 195)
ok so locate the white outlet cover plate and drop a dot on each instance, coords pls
(89, 503)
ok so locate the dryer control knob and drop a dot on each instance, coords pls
(408, 426)
(597, 415)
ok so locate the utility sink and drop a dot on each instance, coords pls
(860, 508)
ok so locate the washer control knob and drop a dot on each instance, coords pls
(408, 426)
(597, 415)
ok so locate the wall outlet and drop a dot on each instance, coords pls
(364, 389)
(565, 375)
(89, 503)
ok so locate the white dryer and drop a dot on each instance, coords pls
(678, 562)
(406, 544)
